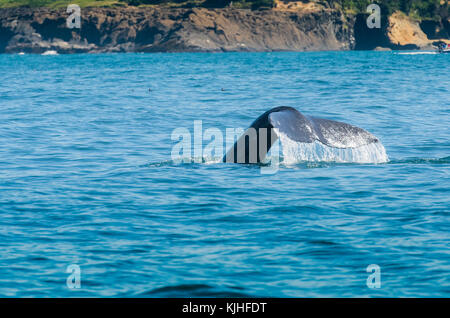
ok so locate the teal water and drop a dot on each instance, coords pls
(87, 178)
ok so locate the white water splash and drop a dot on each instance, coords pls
(295, 152)
(417, 53)
(50, 52)
(212, 160)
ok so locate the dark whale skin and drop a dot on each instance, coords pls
(298, 127)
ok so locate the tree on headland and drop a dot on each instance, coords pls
(421, 9)
(417, 8)
(244, 4)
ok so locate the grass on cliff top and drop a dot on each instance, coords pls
(101, 3)
(93, 3)
(238, 4)
(59, 3)
(418, 9)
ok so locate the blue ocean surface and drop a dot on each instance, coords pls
(87, 177)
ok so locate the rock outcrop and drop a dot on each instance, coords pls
(134, 29)
(398, 32)
(403, 32)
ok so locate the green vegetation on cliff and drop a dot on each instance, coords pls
(420, 9)
(58, 3)
(415, 8)
(239, 4)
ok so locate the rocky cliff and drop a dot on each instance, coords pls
(173, 30)
(292, 27)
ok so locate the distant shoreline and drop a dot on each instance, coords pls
(148, 29)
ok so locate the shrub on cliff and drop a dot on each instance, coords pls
(420, 9)
(427, 9)
(244, 4)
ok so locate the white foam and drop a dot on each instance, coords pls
(417, 53)
(295, 152)
(212, 160)
(50, 52)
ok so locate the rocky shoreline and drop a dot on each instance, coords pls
(135, 29)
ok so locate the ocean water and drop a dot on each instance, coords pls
(87, 177)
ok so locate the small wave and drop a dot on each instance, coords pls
(295, 152)
(444, 160)
(417, 53)
(194, 290)
(192, 160)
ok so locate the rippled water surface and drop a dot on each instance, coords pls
(86, 177)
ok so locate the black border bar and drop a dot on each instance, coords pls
(223, 307)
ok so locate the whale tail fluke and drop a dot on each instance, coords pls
(253, 145)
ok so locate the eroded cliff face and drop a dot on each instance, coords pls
(403, 32)
(174, 30)
(399, 32)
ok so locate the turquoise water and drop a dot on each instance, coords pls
(87, 178)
